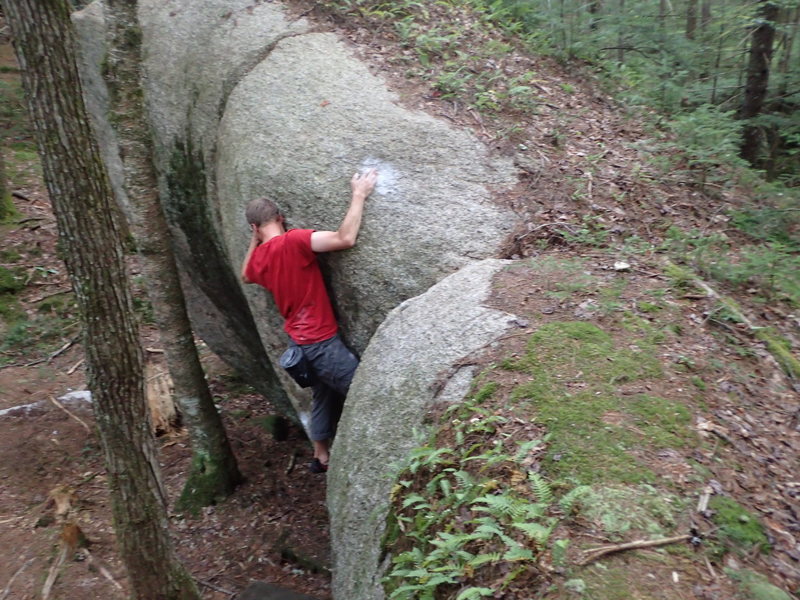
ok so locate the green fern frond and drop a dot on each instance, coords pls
(518, 553)
(475, 593)
(541, 488)
(525, 449)
(568, 500)
(464, 479)
(497, 505)
(416, 499)
(482, 559)
(536, 531)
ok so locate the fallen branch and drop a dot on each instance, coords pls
(211, 586)
(292, 460)
(103, 571)
(77, 418)
(14, 576)
(30, 219)
(595, 553)
(21, 196)
(74, 367)
(53, 574)
(50, 295)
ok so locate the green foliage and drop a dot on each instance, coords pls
(620, 509)
(459, 523)
(773, 267)
(754, 586)
(737, 529)
(574, 369)
(11, 280)
(591, 232)
(709, 138)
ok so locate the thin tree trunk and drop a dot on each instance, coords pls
(717, 63)
(620, 35)
(758, 68)
(6, 206)
(595, 6)
(786, 55)
(705, 15)
(214, 474)
(691, 19)
(92, 245)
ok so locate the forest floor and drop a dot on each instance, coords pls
(589, 179)
(273, 529)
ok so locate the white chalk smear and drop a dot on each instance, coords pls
(387, 184)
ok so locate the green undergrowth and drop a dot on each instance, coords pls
(738, 529)
(575, 371)
(469, 519)
(43, 327)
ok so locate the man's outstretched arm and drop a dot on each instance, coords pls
(345, 236)
(254, 241)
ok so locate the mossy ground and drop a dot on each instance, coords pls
(611, 380)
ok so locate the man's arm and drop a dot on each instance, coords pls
(345, 236)
(254, 241)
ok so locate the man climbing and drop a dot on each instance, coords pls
(285, 263)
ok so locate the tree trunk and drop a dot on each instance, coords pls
(595, 6)
(793, 18)
(213, 474)
(757, 77)
(92, 244)
(705, 15)
(691, 19)
(6, 206)
(620, 35)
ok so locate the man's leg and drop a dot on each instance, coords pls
(324, 411)
(334, 365)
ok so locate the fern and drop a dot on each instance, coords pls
(541, 488)
(482, 559)
(536, 531)
(497, 505)
(416, 499)
(474, 593)
(568, 500)
(518, 553)
(525, 449)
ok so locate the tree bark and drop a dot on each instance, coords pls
(213, 473)
(691, 19)
(705, 15)
(92, 244)
(792, 20)
(758, 67)
(6, 206)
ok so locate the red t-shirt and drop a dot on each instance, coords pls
(287, 266)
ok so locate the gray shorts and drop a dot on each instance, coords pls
(334, 365)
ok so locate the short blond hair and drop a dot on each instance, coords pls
(260, 211)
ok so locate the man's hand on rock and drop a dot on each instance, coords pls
(364, 183)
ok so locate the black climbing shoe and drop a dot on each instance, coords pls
(315, 466)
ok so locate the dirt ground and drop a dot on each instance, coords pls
(273, 529)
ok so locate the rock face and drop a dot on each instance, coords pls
(246, 102)
(418, 344)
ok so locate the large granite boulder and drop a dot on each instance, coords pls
(421, 343)
(246, 102)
